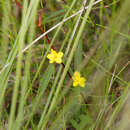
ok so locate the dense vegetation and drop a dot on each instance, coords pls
(64, 64)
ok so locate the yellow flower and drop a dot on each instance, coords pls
(55, 57)
(78, 80)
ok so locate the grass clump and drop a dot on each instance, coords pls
(64, 64)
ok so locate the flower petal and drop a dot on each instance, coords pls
(76, 75)
(58, 60)
(53, 52)
(60, 55)
(75, 83)
(82, 82)
(51, 58)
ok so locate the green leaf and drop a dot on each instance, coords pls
(46, 78)
(78, 55)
